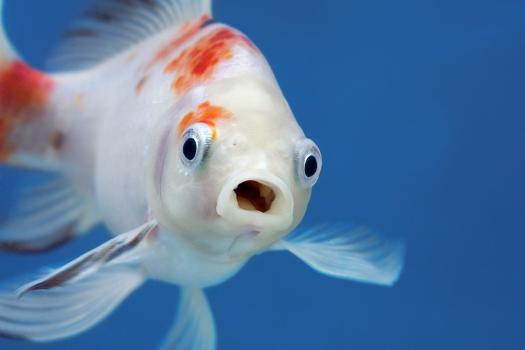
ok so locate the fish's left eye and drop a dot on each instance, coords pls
(195, 144)
(308, 162)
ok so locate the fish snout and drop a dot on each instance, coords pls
(256, 199)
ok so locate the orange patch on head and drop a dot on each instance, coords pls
(197, 63)
(187, 31)
(206, 113)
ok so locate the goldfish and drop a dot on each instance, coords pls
(170, 129)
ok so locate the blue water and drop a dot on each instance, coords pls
(419, 110)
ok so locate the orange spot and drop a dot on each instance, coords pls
(206, 113)
(23, 93)
(131, 56)
(79, 99)
(198, 63)
(140, 85)
(187, 31)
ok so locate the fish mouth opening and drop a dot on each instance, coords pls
(254, 196)
(257, 200)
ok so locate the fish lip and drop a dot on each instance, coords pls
(278, 218)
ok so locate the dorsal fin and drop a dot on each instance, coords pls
(109, 27)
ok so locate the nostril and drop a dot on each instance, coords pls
(254, 196)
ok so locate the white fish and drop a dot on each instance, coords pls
(170, 129)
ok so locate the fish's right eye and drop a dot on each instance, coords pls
(308, 163)
(194, 145)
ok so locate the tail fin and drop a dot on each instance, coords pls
(27, 133)
(30, 138)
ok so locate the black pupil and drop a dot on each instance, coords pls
(190, 148)
(310, 166)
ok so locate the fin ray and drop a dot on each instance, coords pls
(112, 26)
(194, 327)
(354, 254)
(72, 313)
(77, 296)
(46, 216)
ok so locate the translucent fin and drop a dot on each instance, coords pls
(7, 53)
(112, 26)
(194, 327)
(44, 217)
(353, 254)
(77, 296)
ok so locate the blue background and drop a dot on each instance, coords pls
(419, 110)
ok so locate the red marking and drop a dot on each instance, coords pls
(206, 113)
(23, 93)
(186, 32)
(197, 63)
(22, 88)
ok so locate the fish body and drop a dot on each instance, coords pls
(174, 134)
(118, 170)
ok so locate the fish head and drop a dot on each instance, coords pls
(234, 171)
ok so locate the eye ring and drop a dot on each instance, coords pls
(194, 145)
(308, 163)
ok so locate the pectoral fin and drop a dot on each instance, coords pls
(77, 296)
(194, 327)
(353, 254)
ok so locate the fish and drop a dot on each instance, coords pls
(171, 130)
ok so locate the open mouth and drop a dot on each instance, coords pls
(256, 201)
(254, 196)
